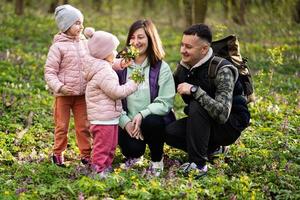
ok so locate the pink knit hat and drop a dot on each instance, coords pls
(100, 43)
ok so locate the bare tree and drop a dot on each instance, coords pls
(199, 8)
(297, 12)
(188, 12)
(98, 4)
(149, 3)
(225, 4)
(19, 7)
(239, 10)
(174, 5)
(53, 5)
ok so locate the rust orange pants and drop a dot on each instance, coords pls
(62, 107)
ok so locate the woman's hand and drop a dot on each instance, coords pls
(129, 128)
(137, 121)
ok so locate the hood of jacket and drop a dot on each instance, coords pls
(62, 37)
(93, 66)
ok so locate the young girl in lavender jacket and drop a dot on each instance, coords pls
(64, 76)
(103, 97)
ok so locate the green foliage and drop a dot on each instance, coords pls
(137, 75)
(263, 164)
(129, 53)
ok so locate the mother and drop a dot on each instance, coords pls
(147, 111)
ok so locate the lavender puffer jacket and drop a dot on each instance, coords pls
(64, 65)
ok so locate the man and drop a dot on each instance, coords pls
(216, 110)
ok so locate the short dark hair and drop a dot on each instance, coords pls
(201, 30)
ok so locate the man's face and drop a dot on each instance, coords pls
(193, 49)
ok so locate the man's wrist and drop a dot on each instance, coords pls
(194, 89)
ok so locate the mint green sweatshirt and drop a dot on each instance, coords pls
(140, 100)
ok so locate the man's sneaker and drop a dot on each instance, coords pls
(86, 161)
(58, 160)
(156, 168)
(220, 150)
(199, 171)
(131, 162)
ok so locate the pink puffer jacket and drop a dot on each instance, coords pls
(103, 92)
(64, 65)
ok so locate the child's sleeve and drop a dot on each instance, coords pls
(52, 69)
(112, 88)
(117, 65)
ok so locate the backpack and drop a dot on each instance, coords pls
(229, 49)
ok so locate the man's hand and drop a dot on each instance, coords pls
(66, 90)
(184, 88)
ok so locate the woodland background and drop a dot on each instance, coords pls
(263, 164)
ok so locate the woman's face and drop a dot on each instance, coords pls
(139, 40)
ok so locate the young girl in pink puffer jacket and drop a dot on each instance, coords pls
(103, 97)
(64, 76)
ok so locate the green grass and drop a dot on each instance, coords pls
(263, 164)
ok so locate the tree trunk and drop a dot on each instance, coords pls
(98, 4)
(200, 8)
(66, 1)
(225, 5)
(19, 9)
(238, 10)
(53, 5)
(175, 13)
(110, 5)
(148, 3)
(297, 12)
(188, 12)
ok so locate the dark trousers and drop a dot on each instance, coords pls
(153, 130)
(198, 134)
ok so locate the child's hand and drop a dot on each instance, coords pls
(126, 63)
(129, 53)
(66, 90)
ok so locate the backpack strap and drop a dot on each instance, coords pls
(213, 68)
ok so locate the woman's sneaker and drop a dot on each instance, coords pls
(132, 162)
(198, 171)
(58, 160)
(156, 168)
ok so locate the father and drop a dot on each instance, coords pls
(216, 110)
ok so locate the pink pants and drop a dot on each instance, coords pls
(105, 140)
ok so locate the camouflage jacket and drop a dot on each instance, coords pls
(217, 102)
